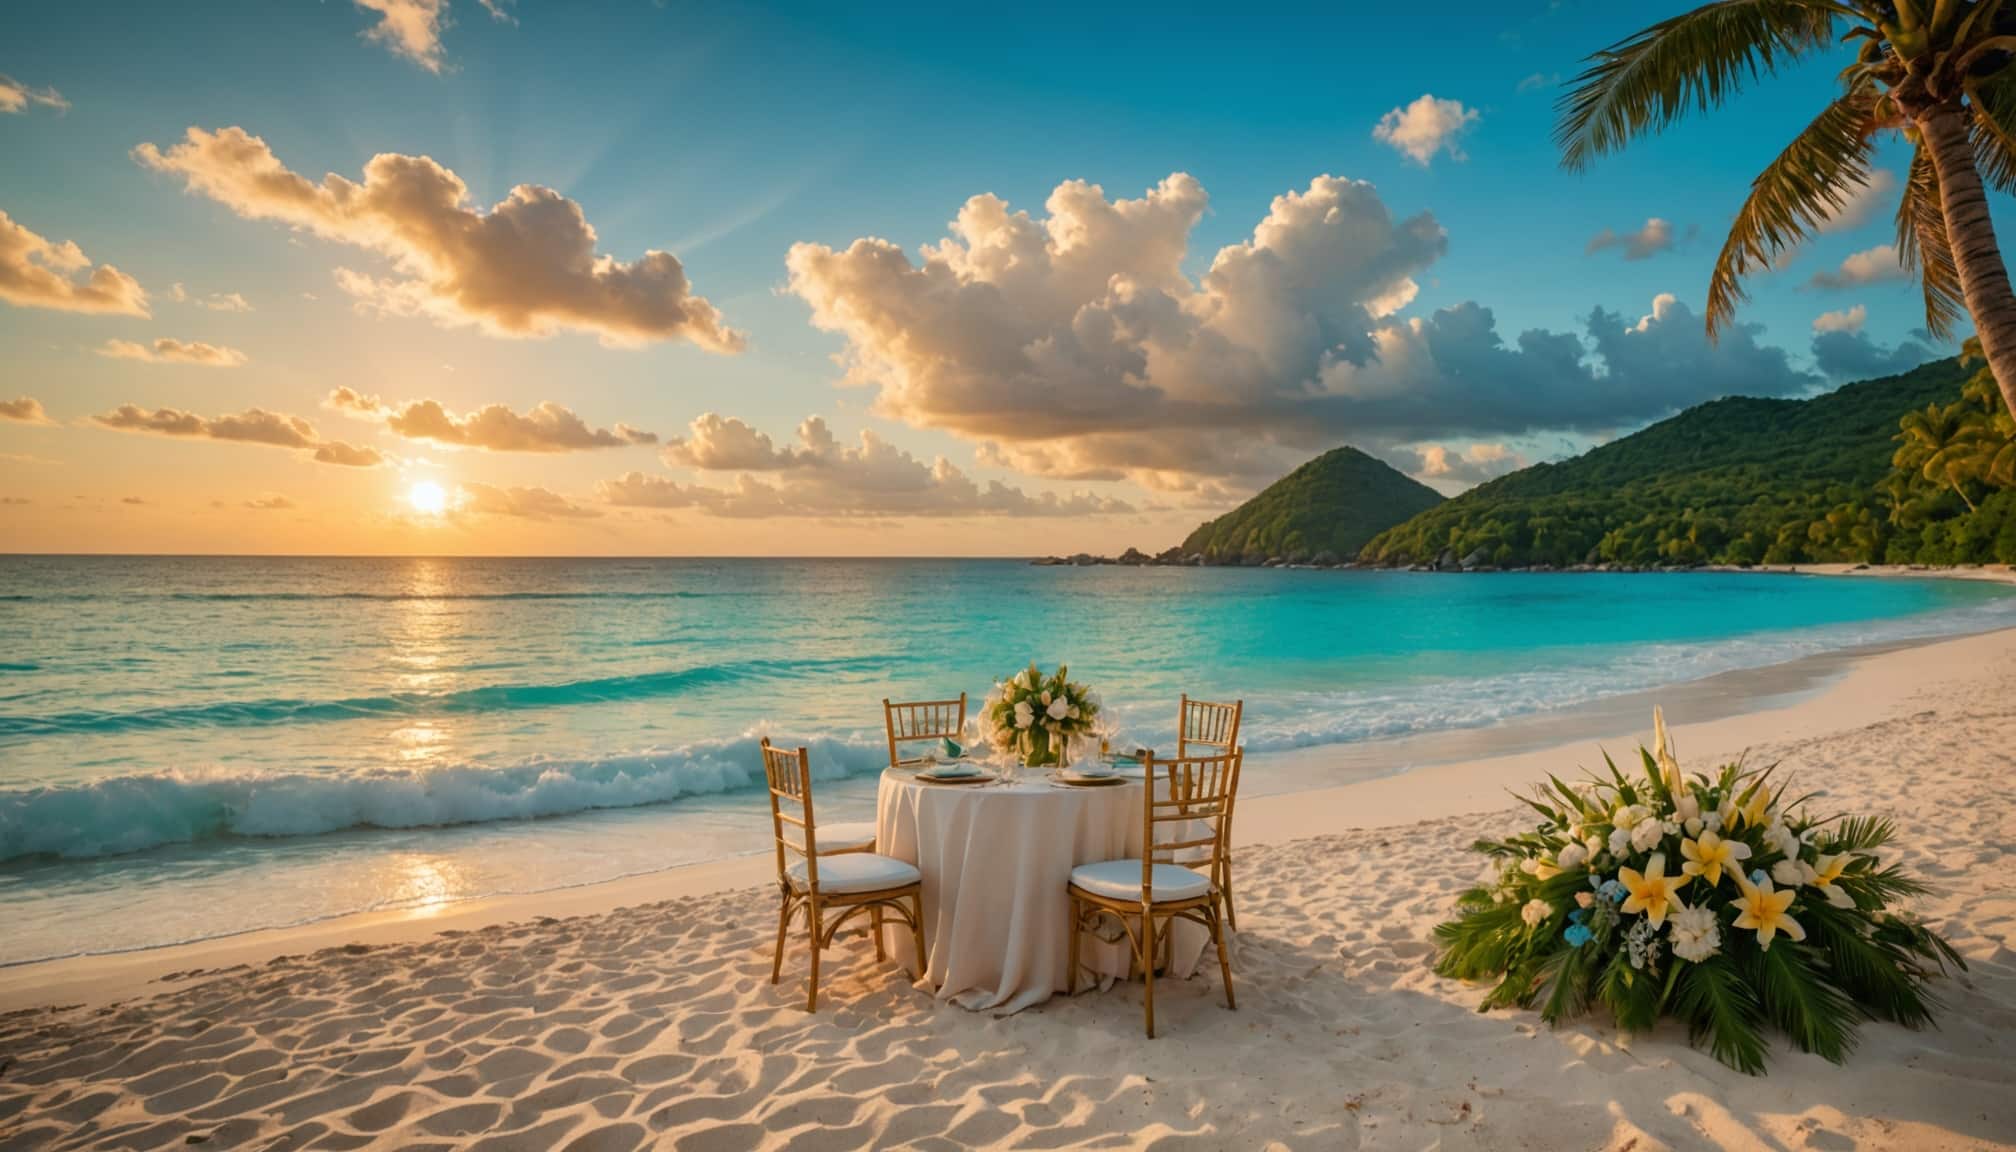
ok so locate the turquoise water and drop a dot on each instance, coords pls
(196, 746)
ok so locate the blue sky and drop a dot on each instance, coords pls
(725, 135)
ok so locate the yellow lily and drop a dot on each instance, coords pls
(1652, 891)
(1662, 751)
(1822, 874)
(1710, 854)
(1758, 806)
(1765, 911)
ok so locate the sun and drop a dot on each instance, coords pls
(427, 498)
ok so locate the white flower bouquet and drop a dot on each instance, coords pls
(1035, 718)
(1716, 900)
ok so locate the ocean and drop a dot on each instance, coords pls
(195, 747)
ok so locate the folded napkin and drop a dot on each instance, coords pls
(950, 749)
(952, 770)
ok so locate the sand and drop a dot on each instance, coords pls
(655, 1025)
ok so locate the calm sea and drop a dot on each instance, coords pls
(194, 747)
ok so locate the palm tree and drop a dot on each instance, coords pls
(1940, 72)
(1943, 447)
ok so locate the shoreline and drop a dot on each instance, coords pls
(1369, 785)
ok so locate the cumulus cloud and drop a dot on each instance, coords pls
(1843, 320)
(1458, 467)
(1425, 127)
(1860, 205)
(410, 28)
(1849, 354)
(818, 476)
(24, 410)
(1076, 346)
(1642, 243)
(215, 301)
(548, 427)
(16, 97)
(1869, 266)
(252, 426)
(348, 455)
(525, 503)
(271, 502)
(1536, 81)
(526, 267)
(168, 350)
(40, 273)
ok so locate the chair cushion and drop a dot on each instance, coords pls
(845, 837)
(856, 872)
(1121, 880)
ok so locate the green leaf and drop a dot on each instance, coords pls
(1721, 1009)
(1817, 1016)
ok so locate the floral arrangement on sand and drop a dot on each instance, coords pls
(1718, 901)
(1035, 717)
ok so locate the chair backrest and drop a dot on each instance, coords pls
(788, 771)
(1203, 724)
(921, 720)
(1186, 811)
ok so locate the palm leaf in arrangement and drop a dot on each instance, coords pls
(1818, 1017)
(1721, 1009)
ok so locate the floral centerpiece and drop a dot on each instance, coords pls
(1035, 717)
(1717, 900)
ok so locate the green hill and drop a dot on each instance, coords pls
(1333, 504)
(1736, 481)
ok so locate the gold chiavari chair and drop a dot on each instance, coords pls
(921, 720)
(817, 883)
(1202, 724)
(1186, 803)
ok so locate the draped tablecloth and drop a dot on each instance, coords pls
(997, 863)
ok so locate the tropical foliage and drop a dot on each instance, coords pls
(1327, 508)
(1717, 899)
(1735, 481)
(1940, 73)
(1036, 717)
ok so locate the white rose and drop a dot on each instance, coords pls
(1627, 816)
(1712, 822)
(1787, 873)
(1571, 856)
(1024, 715)
(1647, 834)
(1585, 899)
(1535, 912)
(1059, 708)
(1781, 838)
(1620, 842)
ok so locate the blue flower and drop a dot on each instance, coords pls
(1758, 876)
(1578, 915)
(1612, 891)
(1577, 935)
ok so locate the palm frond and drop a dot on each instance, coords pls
(1882, 977)
(1994, 127)
(1797, 996)
(1697, 59)
(1857, 834)
(1722, 1009)
(1923, 247)
(1803, 188)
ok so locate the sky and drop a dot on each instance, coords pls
(622, 278)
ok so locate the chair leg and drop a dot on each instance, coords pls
(1148, 965)
(783, 926)
(1071, 974)
(875, 925)
(1225, 887)
(917, 934)
(1224, 964)
(812, 992)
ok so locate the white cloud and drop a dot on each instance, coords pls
(39, 273)
(24, 410)
(16, 97)
(1425, 127)
(524, 503)
(1075, 346)
(252, 426)
(1862, 204)
(1844, 320)
(270, 502)
(410, 28)
(1534, 82)
(1458, 467)
(168, 350)
(215, 301)
(1654, 237)
(821, 477)
(547, 427)
(526, 267)
(1869, 266)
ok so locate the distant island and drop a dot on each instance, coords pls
(1918, 468)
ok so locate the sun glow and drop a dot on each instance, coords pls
(427, 498)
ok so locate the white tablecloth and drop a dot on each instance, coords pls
(997, 861)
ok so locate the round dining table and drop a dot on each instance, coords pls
(996, 859)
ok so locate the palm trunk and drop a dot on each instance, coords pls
(1984, 281)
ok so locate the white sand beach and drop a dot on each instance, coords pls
(639, 1014)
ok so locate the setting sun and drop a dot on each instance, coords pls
(427, 498)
